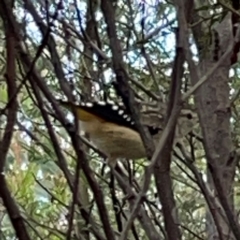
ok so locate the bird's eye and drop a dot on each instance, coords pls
(189, 116)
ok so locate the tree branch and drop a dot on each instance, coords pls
(12, 209)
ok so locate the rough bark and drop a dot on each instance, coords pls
(212, 102)
(213, 107)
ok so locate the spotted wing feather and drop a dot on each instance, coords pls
(111, 112)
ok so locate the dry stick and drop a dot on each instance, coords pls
(121, 75)
(72, 133)
(24, 80)
(77, 146)
(163, 181)
(230, 216)
(173, 112)
(149, 171)
(75, 140)
(207, 75)
(122, 86)
(12, 107)
(74, 200)
(144, 89)
(80, 37)
(145, 221)
(216, 178)
(164, 136)
(154, 32)
(212, 205)
(12, 208)
(61, 158)
(62, 162)
(55, 59)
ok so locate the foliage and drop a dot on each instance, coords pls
(70, 50)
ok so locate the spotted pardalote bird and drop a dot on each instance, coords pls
(110, 129)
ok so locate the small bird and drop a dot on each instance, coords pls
(110, 129)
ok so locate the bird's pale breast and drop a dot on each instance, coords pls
(115, 141)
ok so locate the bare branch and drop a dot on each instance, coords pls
(12, 209)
